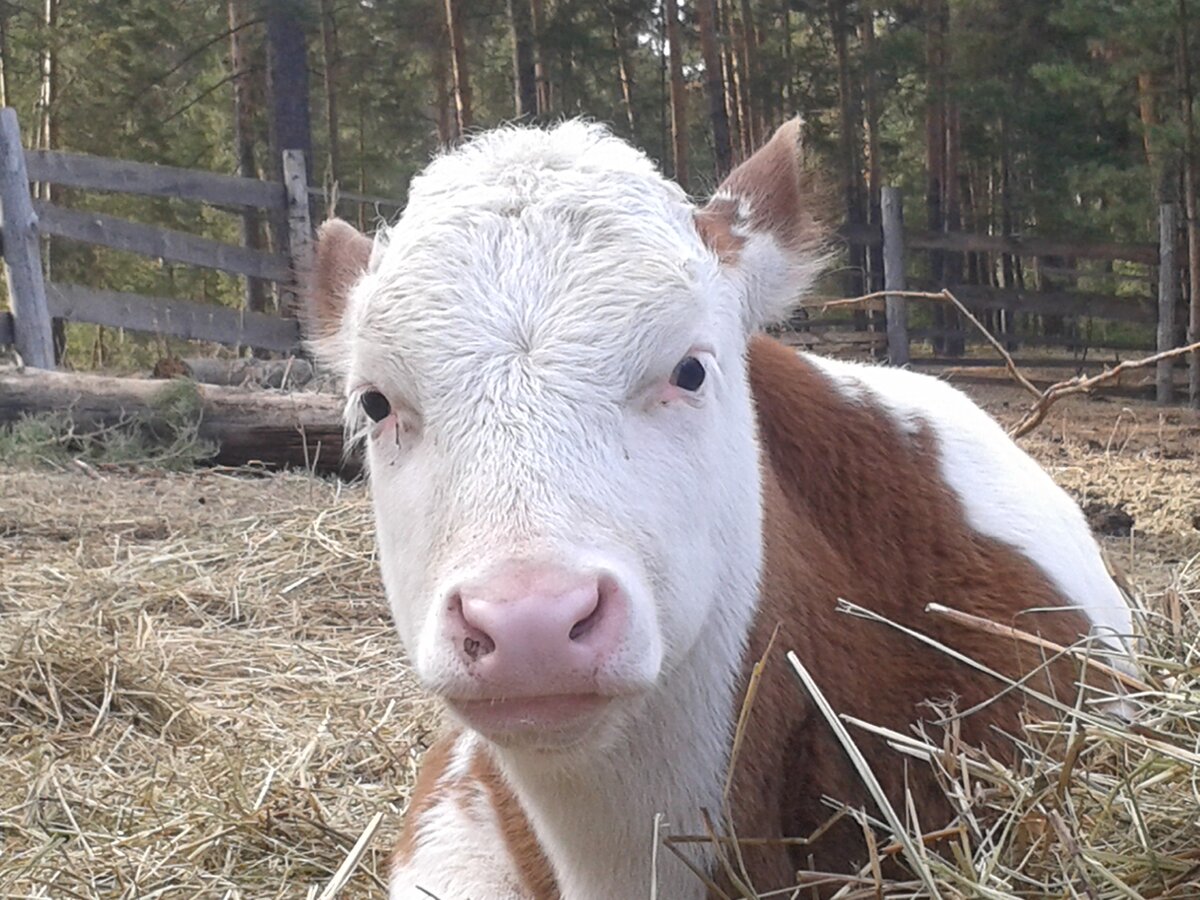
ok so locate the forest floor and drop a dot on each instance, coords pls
(201, 693)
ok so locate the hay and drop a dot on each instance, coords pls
(200, 691)
(201, 694)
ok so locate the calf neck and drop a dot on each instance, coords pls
(600, 499)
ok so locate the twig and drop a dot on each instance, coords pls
(1080, 385)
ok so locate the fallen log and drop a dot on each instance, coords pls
(248, 425)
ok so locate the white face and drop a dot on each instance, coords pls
(547, 363)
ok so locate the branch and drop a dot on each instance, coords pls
(1043, 399)
(1081, 385)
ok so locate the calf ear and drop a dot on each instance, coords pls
(343, 256)
(765, 224)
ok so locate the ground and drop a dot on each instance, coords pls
(201, 693)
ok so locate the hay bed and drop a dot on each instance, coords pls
(201, 693)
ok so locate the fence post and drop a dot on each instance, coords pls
(300, 230)
(1168, 293)
(893, 275)
(32, 332)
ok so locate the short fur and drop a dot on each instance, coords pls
(523, 319)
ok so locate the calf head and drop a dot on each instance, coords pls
(545, 357)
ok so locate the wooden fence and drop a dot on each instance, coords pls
(36, 302)
(1155, 265)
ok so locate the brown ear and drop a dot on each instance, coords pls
(343, 254)
(766, 220)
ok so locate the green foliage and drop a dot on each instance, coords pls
(164, 437)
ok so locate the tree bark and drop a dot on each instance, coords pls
(935, 147)
(678, 96)
(848, 150)
(330, 60)
(706, 11)
(1191, 184)
(256, 294)
(524, 78)
(458, 66)
(287, 79)
(620, 41)
(871, 124)
(752, 73)
(445, 121)
(294, 429)
(5, 12)
(732, 93)
(540, 73)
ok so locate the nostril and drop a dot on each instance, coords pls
(588, 623)
(474, 642)
(475, 647)
(583, 627)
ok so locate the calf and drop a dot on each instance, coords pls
(598, 494)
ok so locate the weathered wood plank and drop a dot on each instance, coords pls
(298, 429)
(6, 329)
(179, 318)
(118, 175)
(1062, 303)
(176, 246)
(300, 230)
(22, 253)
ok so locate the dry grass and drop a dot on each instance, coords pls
(201, 693)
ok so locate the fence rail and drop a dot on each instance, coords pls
(97, 173)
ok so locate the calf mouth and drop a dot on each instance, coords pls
(542, 718)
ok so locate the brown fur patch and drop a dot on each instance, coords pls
(536, 875)
(856, 509)
(781, 198)
(342, 256)
(426, 794)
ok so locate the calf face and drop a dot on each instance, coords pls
(545, 357)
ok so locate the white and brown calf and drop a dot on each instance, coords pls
(598, 493)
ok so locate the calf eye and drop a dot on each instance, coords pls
(689, 374)
(375, 405)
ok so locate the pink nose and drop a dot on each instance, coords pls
(531, 629)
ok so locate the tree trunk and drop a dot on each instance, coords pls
(329, 59)
(5, 12)
(732, 93)
(525, 100)
(439, 66)
(848, 152)
(255, 297)
(752, 73)
(48, 139)
(871, 124)
(1191, 184)
(706, 11)
(458, 66)
(540, 74)
(678, 96)
(935, 149)
(741, 73)
(620, 40)
(287, 80)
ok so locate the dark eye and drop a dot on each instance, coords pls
(689, 374)
(375, 405)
